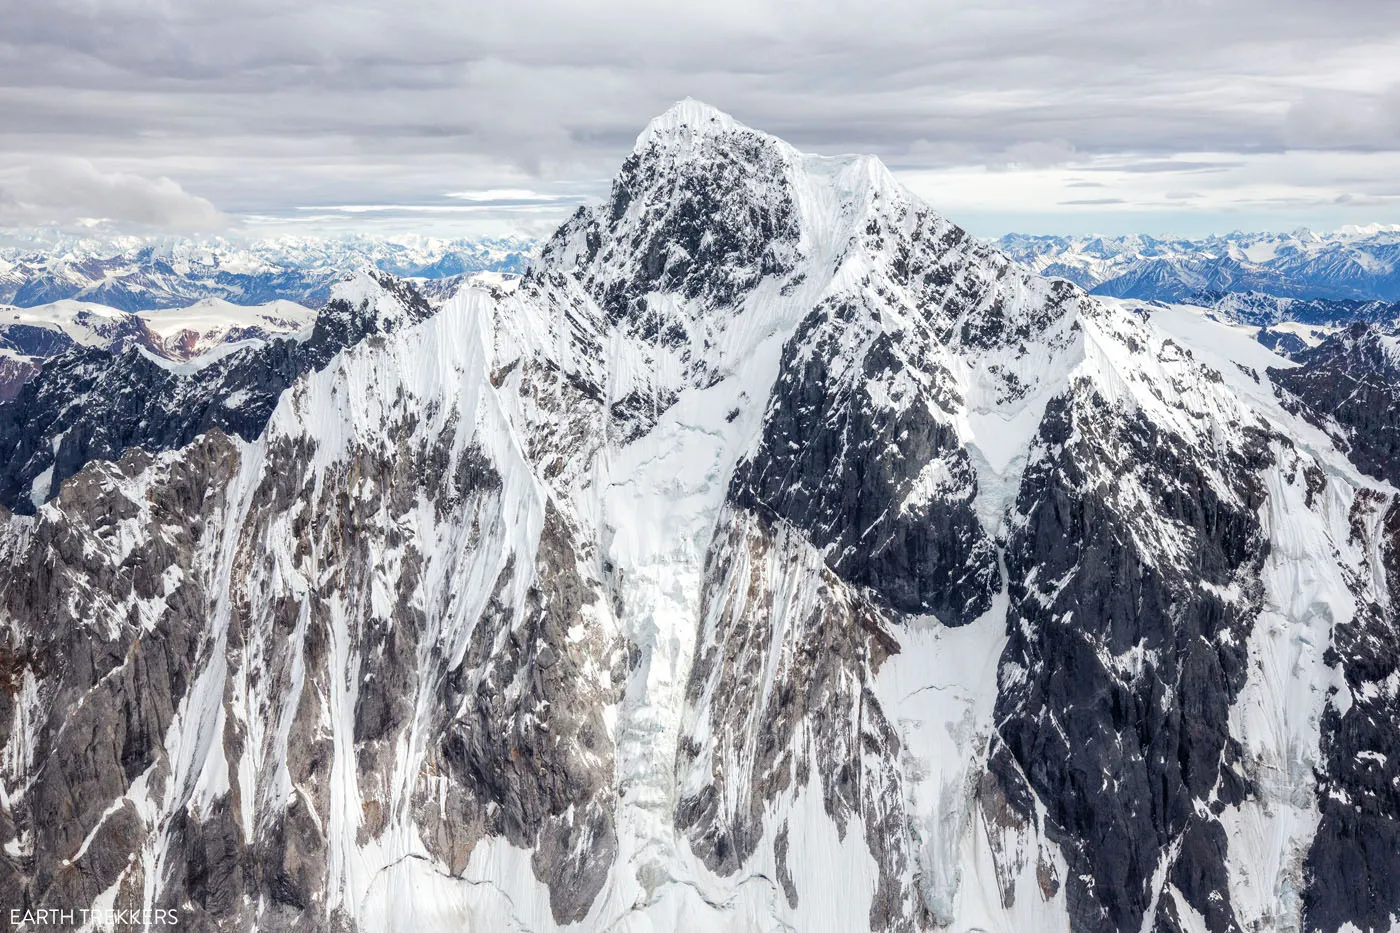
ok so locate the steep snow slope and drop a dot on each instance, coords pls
(774, 556)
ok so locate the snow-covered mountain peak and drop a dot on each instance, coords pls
(775, 556)
(717, 237)
(1366, 230)
(358, 286)
(703, 215)
(686, 121)
(707, 209)
(387, 299)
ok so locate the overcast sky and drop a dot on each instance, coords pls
(1180, 116)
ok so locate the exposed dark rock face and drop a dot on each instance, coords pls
(689, 231)
(93, 404)
(1353, 865)
(1350, 385)
(831, 642)
(1282, 342)
(843, 467)
(514, 743)
(14, 373)
(106, 687)
(543, 783)
(722, 219)
(1123, 661)
(35, 341)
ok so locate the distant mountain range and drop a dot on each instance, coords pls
(1351, 264)
(138, 274)
(1335, 277)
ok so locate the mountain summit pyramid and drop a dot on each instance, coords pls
(776, 556)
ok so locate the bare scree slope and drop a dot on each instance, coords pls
(775, 557)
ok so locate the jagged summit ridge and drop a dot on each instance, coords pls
(686, 120)
(705, 201)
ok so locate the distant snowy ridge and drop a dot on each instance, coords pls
(137, 274)
(187, 332)
(1355, 263)
(31, 335)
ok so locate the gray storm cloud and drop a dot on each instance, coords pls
(67, 191)
(264, 107)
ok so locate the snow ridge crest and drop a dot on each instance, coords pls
(687, 120)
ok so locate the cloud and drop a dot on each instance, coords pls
(72, 191)
(263, 106)
(515, 197)
(1036, 154)
(1365, 200)
(1323, 118)
(1168, 166)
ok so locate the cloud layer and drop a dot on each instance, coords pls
(1187, 112)
(65, 191)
